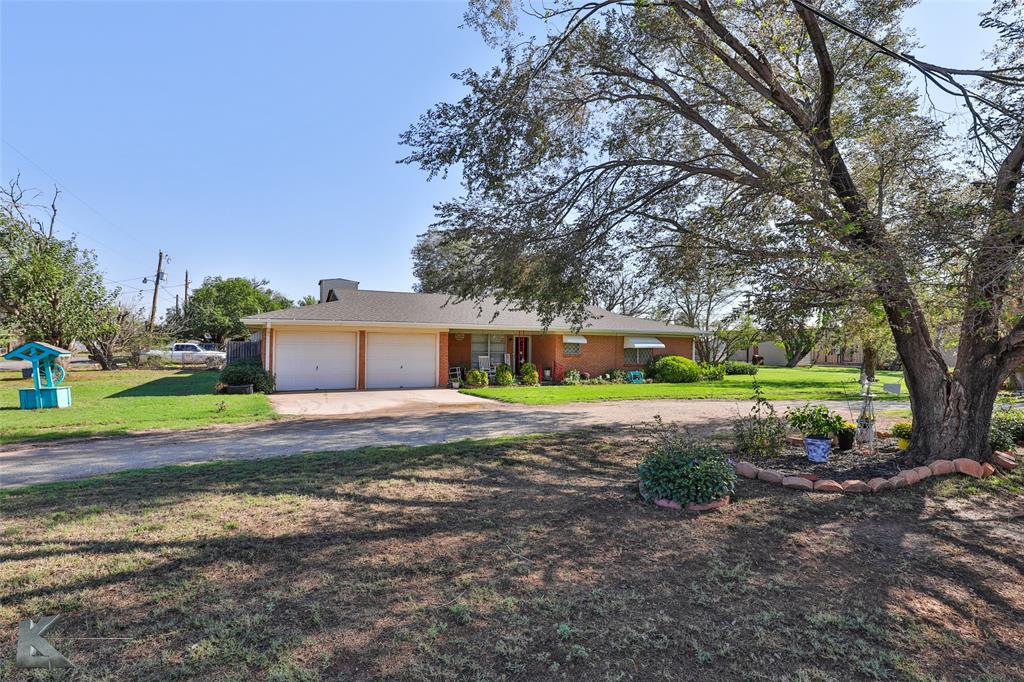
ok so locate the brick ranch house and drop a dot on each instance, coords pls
(361, 339)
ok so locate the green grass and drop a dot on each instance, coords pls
(110, 403)
(779, 383)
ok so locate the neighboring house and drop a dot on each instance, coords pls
(356, 339)
(772, 352)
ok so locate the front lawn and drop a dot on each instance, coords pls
(107, 403)
(518, 559)
(779, 383)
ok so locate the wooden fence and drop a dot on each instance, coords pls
(243, 350)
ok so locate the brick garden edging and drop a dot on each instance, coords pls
(908, 477)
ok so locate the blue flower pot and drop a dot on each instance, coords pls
(817, 448)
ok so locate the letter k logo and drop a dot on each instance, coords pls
(34, 651)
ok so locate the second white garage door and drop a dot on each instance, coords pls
(314, 360)
(401, 360)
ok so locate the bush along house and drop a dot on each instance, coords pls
(363, 339)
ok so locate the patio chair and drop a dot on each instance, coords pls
(484, 363)
(454, 374)
(635, 377)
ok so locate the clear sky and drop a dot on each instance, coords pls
(256, 138)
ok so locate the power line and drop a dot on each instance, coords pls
(64, 187)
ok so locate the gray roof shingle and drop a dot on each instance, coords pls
(396, 307)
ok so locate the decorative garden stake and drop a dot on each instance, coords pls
(47, 375)
(866, 420)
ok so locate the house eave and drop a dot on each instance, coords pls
(277, 321)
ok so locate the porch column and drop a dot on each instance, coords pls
(442, 359)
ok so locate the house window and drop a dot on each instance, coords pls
(491, 345)
(638, 356)
(572, 349)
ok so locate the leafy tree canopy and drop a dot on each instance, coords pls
(215, 309)
(785, 134)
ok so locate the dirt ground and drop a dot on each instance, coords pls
(518, 559)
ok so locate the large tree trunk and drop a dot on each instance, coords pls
(869, 363)
(952, 412)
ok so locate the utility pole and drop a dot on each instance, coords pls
(186, 289)
(177, 308)
(156, 289)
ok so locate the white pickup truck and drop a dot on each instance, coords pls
(189, 353)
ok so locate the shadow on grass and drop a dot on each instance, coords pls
(181, 383)
(476, 559)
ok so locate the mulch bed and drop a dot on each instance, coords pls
(886, 461)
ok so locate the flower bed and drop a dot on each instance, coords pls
(812, 482)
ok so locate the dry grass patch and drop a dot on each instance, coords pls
(528, 558)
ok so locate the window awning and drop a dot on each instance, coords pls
(574, 339)
(643, 342)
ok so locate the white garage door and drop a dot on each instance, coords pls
(401, 360)
(312, 360)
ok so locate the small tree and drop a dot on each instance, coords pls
(120, 330)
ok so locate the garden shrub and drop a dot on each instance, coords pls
(680, 469)
(618, 376)
(1011, 423)
(735, 367)
(248, 371)
(902, 430)
(1000, 437)
(571, 377)
(503, 375)
(762, 432)
(476, 378)
(528, 374)
(712, 371)
(676, 369)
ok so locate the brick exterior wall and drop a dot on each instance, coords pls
(459, 352)
(442, 362)
(676, 345)
(598, 355)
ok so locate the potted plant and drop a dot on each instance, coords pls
(901, 432)
(846, 436)
(818, 424)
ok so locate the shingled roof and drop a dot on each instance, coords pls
(364, 306)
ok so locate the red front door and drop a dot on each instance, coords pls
(520, 352)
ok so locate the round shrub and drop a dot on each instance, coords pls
(676, 369)
(528, 374)
(476, 378)
(696, 473)
(241, 372)
(503, 376)
(902, 430)
(736, 367)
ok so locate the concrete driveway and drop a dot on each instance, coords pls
(40, 463)
(374, 403)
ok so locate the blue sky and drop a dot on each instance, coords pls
(256, 139)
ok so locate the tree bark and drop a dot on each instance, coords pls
(870, 362)
(953, 416)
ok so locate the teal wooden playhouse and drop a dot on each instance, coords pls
(47, 375)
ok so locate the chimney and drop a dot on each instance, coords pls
(329, 287)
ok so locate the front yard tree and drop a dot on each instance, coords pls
(120, 330)
(50, 289)
(215, 309)
(762, 129)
